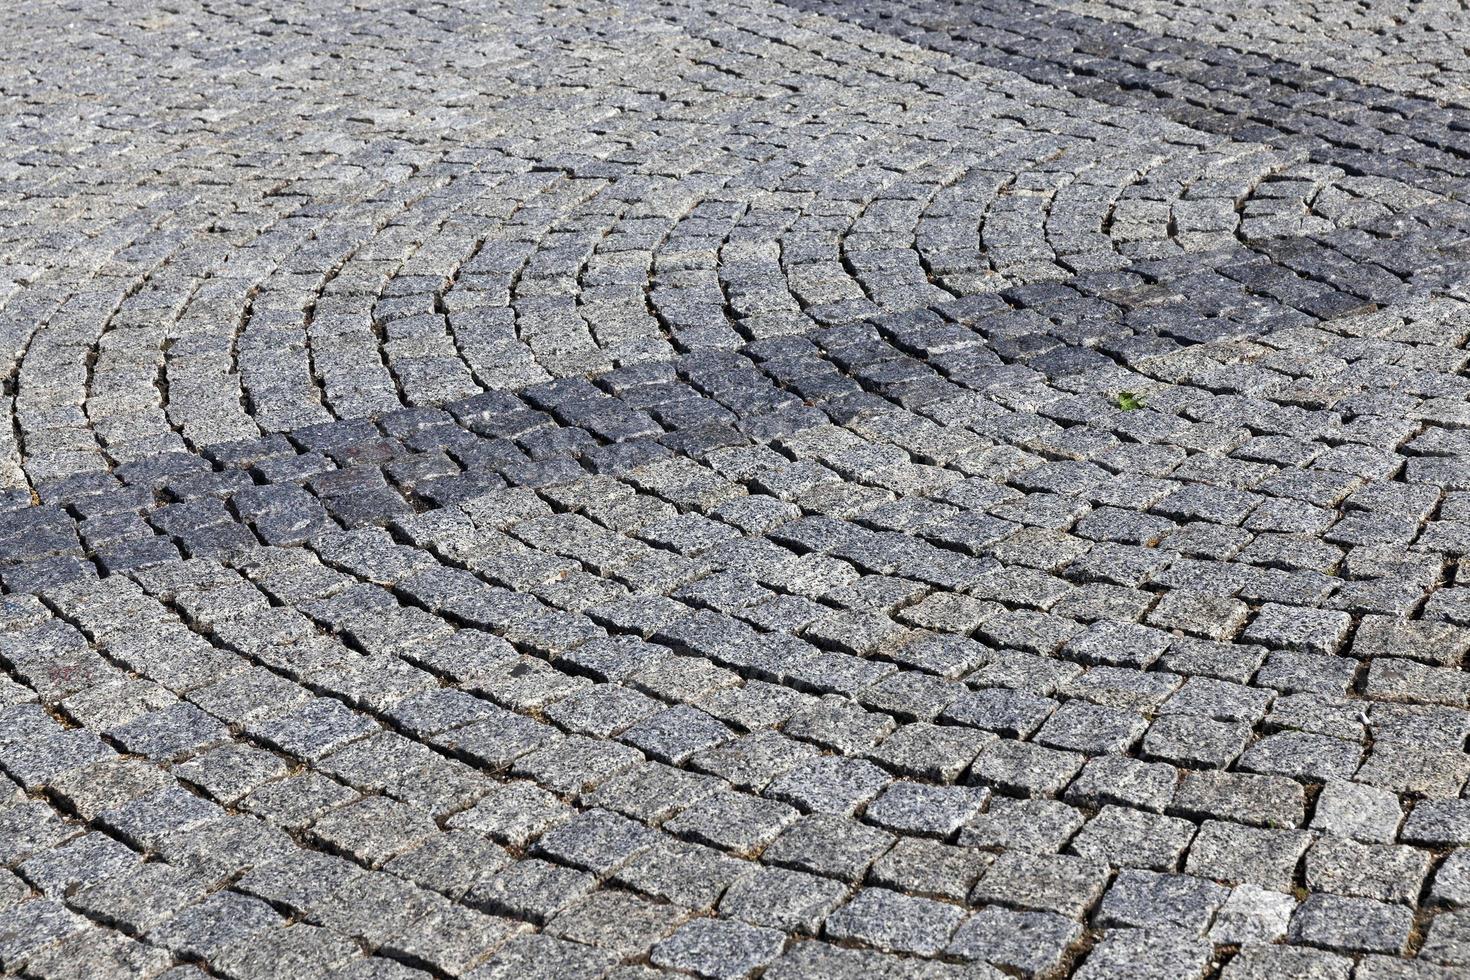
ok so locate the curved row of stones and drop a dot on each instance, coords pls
(896, 488)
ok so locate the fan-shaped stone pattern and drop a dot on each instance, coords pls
(899, 488)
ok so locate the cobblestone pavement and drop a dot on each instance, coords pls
(814, 489)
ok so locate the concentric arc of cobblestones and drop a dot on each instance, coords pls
(805, 489)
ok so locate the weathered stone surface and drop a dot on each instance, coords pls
(878, 488)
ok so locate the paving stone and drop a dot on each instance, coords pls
(1303, 755)
(719, 948)
(80, 861)
(1093, 729)
(597, 841)
(1351, 924)
(544, 957)
(1032, 943)
(576, 764)
(1285, 961)
(301, 950)
(1382, 872)
(929, 867)
(36, 925)
(780, 899)
(513, 814)
(32, 829)
(937, 811)
(1126, 838)
(205, 930)
(1238, 853)
(1266, 801)
(296, 802)
(1418, 769)
(1026, 768)
(752, 761)
(314, 729)
(812, 958)
(225, 848)
(747, 483)
(1364, 813)
(1379, 967)
(1007, 712)
(1126, 782)
(733, 822)
(375, 907)
(602, 711)
(1252, 915)
(894, 922)
(619, 922)
(830, 845)
(829, 784)
(1196, 742)
(531, 890)
(1032, 826)
(940, 753)
(450, 863)
(653, 793)
(143, 822)
(1042, 883)
(1438, 822)
(1451, 883)
(451, 938)
(303, 881)
(677, 733)
(96, 952)
(1146, 953)
(145, 896)
(1200, 614)
(688, 875)
(1165, 902)
(373, 830)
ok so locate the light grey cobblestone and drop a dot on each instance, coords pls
(879, 488)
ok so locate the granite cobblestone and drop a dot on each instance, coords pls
(813, 488)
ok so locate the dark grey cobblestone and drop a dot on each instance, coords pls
(880, 488)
